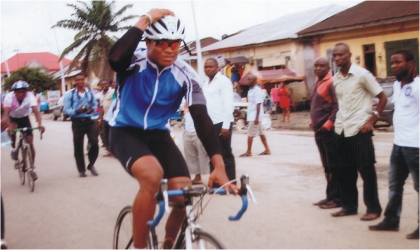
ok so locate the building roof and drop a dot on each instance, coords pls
(183, 53)
(49, 60)
(284, 27)
(366, 13)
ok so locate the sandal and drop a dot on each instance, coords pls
(321, 202)
(329, 205)
(370, 216)
(245, 155)
(342, 213)
(265, 153)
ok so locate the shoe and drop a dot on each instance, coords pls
(33, 174)
(414, 235)
(3, 244)
(342, 213)
(370, 216)
(321, 202)
(108, 154)
(93, 170)
(82, 174)
(14, 154)
(385, 226)
(330, 204)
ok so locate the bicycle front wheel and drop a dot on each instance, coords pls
(29, 162)
(123, 232)
(20, 164)
(203, 240)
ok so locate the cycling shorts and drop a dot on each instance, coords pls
(128, 144)
(23, 122)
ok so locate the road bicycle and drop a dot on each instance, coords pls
(191, 235)
(24, 161)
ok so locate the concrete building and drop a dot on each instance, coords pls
(372, 29)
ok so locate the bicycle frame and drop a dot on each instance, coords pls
(189, 224)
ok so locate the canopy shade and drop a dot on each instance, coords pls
(273, 76)
(239, 59)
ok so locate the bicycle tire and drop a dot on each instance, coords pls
(19, 165)
(123, 234)
(30, 160)
(126, 241)
(203, 240)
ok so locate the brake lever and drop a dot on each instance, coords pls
(245, 186)
(164, 190)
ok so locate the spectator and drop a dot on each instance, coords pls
(284, 100)
(405, 152)
(355, 87)
(79, 104)
(194, 151)
(324, 107)
(254, 116)
(219, 97)
(105, 100)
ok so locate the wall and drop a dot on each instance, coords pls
(371, 35)
(272, 50)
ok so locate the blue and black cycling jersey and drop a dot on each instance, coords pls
(147, 98)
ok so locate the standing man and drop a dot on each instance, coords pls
(254, 116)
(355, 87)
(79, 105)
(324, 107)
(105, 100)
(218, 91)
(405, 152)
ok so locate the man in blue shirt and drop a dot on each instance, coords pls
(79, 104)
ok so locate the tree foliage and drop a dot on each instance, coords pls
(37, 80)
(94, 22)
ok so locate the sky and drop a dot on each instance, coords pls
(26, 25)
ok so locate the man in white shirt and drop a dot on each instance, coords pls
(405, 152)
(255, 115)
(105, 100)
(218, 92)
(355, 87)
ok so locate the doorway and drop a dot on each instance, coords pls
(369, 51)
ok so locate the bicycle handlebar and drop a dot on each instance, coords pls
(163, 195)
(25, 129)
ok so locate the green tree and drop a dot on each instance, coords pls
(94, 22)
(37, 80)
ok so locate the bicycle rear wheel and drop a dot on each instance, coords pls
(29, 163)
(19, 164)
(203, 240)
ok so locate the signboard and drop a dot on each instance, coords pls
(53, 97)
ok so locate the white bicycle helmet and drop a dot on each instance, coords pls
(20, 85)
(168, 27)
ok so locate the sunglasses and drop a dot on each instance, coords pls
(164, 44)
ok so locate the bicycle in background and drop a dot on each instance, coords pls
(191, 235)
(24, 160)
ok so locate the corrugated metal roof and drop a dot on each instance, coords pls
(367, 12)
(278, 29)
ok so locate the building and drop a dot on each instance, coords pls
(372, 29)
(272, 45)
(48, 63)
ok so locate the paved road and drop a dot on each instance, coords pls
(66, 211)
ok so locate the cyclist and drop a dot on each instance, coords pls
(17, 106)
(150, 86)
